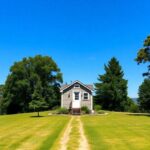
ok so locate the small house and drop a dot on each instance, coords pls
(76, 95)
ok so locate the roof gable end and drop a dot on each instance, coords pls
(69, 85)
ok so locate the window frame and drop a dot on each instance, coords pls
(84, 96)
(76, 95)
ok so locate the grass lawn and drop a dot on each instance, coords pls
(74, 136)
(26, 132)
(117, 131)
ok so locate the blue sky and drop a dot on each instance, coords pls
(80, 35)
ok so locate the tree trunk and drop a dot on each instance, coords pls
(38, 114)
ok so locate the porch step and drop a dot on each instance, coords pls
(76, 111)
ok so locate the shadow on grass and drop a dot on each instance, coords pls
(139, 114)
(37, 116)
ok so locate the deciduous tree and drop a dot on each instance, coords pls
(22, 81)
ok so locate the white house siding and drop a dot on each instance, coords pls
(67, 101)
(87, 103)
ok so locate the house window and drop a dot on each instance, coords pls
(86, 96)
(76, 94)
(76, 86)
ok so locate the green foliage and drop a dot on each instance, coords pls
(1, 90)
(129, 105)
(111, 90)
(55, 107)
(144, 96)
(1, 97)
(62, 110)
(134, 108)
(97, 107)
(85, 110)
(25, 76)
(100, 112)
(38, 103)
(143, 55)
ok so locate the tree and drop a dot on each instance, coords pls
(38, 103)
(144, 96)
(132, 106)
(143, 55)
(111, 90)
(1, 97)
(22, 81)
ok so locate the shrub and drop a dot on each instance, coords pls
(55, 107)
(85, 110)
(62, 110)
(134, 108)
(97, 107)
(101, 112)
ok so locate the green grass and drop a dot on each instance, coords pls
(24, 131)
(72, 138)
(73, 143)
(117, 131)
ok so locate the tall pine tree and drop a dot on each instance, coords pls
(144, 96)
(111, 90)
(143, 56)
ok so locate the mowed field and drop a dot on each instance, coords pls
(115, 131)
(118, 131)
(27, 132)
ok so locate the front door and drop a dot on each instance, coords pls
(76, 100)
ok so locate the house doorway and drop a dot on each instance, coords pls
(76, 100)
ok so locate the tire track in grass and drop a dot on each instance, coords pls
(84, 145)
(74, 137)
(65, 138)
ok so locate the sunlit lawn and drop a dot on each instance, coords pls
(26, 132)
(115, 131)
(118, 131)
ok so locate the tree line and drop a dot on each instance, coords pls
(33, 85)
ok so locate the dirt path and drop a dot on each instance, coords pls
(65, 138)
(68, 136)
(84, 145)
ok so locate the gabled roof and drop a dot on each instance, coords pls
(64, 87)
